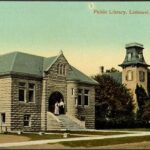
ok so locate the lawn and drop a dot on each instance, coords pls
(104, 142)
(91, 132)
(33, 136)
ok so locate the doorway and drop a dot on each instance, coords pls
(54, 97)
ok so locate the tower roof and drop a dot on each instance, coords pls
(134, 45)
(134, 55)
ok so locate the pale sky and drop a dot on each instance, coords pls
(88, 40)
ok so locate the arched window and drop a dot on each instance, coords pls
(129, 75)
(61, 69)
(58, 69)
(64, 69)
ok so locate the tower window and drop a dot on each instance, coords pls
(129, 55)
(129, 76)
(140, 56)
(141, 76)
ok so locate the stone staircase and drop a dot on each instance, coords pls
(62, 122)
(53, 123)
(69, 124)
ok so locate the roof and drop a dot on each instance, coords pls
(136, 55)
(117, 76)
(76, 75)
(134, 45)
(27, 64)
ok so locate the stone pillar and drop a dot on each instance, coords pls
(90, 111)
(72, 88)
(43, 106)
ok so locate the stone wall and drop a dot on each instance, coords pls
(72, 98)
(19, 109)
(5, 99)
(82, 112)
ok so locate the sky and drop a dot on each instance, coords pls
(87, 39)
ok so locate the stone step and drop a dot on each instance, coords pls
(68, 123)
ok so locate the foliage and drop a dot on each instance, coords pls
(113, 100)
(112, 70)
(143, 113)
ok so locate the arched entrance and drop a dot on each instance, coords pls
(54, 97)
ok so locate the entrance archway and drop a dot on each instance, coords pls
(54, 97)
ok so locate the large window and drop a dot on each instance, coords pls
(27, 120)
(79, 96)
(22, 92)
(142, 76)
(129, 76)
(83, 97)
(31, 92)
(86, 97)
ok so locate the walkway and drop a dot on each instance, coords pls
(131, 134)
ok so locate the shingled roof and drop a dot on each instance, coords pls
(31, 65)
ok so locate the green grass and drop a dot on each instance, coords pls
(33, 136)
(92, 133)
(104, 142)
(45, 136)
(133, 129)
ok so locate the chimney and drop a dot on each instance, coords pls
(101, 70)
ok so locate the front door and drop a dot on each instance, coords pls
(54, 98)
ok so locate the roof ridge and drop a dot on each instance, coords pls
(13, 62)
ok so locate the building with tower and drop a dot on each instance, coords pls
(134, 70)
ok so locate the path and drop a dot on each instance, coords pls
(39, 142)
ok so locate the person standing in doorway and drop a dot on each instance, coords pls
(56, 111)
(61, 107)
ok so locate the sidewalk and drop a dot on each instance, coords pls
(38, 142)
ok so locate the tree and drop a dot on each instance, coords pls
(113, 100)
(112, 70)
(143, 113)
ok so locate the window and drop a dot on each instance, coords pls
(58, 69)
(129, 76)
(22, 91)
(64, 69)
(129, 55)
(3, 119)
(27, 120)
(79, 96)
(86, 97)
(31, 92)
(140, 56)
(72, 91)
(141, 76)
(61, 69)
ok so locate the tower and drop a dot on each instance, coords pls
(134, 69)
